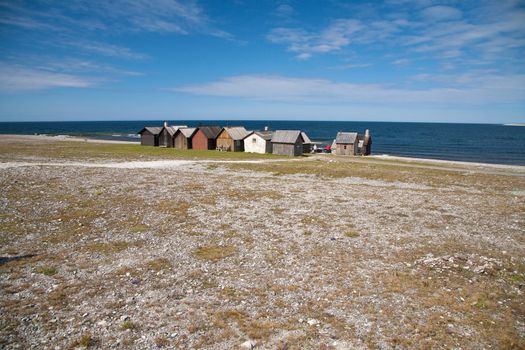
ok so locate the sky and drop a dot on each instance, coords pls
(397, 60)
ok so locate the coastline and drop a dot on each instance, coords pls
(430, 161)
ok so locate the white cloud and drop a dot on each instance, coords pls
(16, 78)
(289, 89)
(401, 62)
(334, 37)
(441, 13)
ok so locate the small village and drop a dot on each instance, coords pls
(238, 139)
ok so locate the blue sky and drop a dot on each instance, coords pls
(398, 60)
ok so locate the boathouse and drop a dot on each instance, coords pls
(346, 143)
(204, 137)
(287, 143)
(167, 135)
(258, 142)
(231, 139)
(182, 138)
(149, 135)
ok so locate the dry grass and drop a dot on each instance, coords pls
(214, 253)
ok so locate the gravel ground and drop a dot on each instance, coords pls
(218, 255)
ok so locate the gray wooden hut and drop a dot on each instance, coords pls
(346, 143)
(167, 135)
(287, 143)
(183, 138)
(307, 143)
(149, 135)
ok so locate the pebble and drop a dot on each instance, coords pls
(249, 344)
(312, 322)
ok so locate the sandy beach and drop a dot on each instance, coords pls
(130, 247)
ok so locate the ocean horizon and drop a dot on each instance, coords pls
(485, 143)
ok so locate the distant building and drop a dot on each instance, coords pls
(167, 135)
(352, 143)
(149, 135)
(204, 137)
(288, 142)
(364, 145)
(231, 139)
(182, 138)
(307, 143)
(258, 142)
(346, 143)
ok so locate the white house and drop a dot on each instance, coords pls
(258, 142)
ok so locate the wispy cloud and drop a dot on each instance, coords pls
(17, 78)
(289, 89)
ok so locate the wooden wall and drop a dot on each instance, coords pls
(200, 141)
(346, 149)
(148, 139)
(182, 142)
(287, 149)
(225, 142)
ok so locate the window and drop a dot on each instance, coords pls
(254, 140)
(345, 146)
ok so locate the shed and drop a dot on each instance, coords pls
(204, 137)
(231, 139)
(167, 135)
(307, 143)
(287, 143)
(258, 142)
(182, 138)
(346, 143)
(364, 144)
(149, 135)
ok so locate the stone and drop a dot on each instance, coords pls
(249, 344)
(312, 322)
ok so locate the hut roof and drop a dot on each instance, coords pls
(210, 132)
(266, 135)
(236, 132)
(155, 130)
(346, 137)
(286, 136)
(173, 129)
(305, 137)
(187, 132)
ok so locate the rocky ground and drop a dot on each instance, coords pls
(320, 253)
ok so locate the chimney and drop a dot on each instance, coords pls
(265, 128)
(165, 124)
(367, 133)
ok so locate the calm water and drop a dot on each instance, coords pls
(489, 143)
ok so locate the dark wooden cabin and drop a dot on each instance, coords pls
(231, 139)
(204, 137)
(149, 135)
(287, 143)
(183, 138)
(167, 135)
(364, 145)
(346, 143)
(307, 143)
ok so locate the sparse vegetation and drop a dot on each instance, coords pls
(128, 325)
(47, 270)
(214, 253)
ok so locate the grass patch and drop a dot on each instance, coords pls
(85, 341)
(138, 228)
(351, 234)
(46, 270)
(128, 325)
(159, 264)
(214, 253)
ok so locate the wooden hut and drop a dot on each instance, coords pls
(364, 143)
(167, 135)
(258, 142)
(287, 143)
(231, 139)
(307, 143)
(149, 136)
(182, 138)
(204, 137)
(346, 143)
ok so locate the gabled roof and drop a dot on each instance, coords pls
(211, 132)
(155, 130)
(346, 137)
(286, 136)
(265, 135)
(236, 132)
(305, 137)
(187, 132)
(173, 129)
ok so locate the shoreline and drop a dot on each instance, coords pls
(22, 137)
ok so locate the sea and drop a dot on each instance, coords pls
(486, 143)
